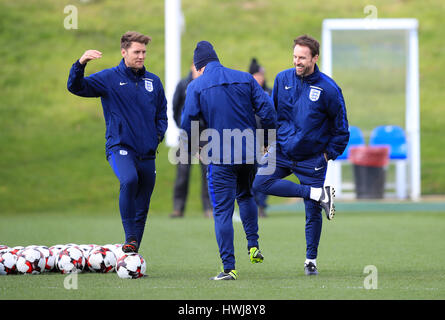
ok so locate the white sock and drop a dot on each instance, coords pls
(314, 261)
(316, 193)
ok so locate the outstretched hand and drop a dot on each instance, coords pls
(90, 55)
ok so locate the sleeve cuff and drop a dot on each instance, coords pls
(79, 65)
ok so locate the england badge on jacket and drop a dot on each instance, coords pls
(149, 85)
(314, 94)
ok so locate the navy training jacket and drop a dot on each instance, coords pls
(228, 100)
(134, 106)
(311, 115)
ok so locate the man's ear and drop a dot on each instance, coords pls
(123, 52)
(201, 71)
(315, 58)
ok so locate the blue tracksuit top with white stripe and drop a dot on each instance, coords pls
(134, 106)
(311, 115)
(228, 100)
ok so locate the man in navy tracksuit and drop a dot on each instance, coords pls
(312, 129)
(228, 101)
(135, 111)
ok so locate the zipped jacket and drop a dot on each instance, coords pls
(311, 115)
(228, 100)
(134, 106)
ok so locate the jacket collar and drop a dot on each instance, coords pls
(212, 65)
(312, 77)
(129, 72)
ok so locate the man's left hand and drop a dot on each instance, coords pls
(326, 156)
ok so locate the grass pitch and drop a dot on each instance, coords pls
(405, 247)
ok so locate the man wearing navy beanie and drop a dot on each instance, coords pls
(204, 53)
(228, 100)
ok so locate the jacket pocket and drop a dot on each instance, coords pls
(321, 160)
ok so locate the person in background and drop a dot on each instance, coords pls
(183, 170)
(259, 73)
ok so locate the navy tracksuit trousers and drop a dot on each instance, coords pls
(137, 180)
(311, 173)
(226, 184)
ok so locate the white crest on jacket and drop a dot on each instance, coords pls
(314, 94)
(149, 85)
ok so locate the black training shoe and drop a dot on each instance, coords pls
(232, 275)
(262, 212)
(130, 246)
(310, 269)
(177, 214)
(327, 201)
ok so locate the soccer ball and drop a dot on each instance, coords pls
(56, 249)
(8, 262)
(101, 260)
(16, 249)
(131, 266)
(70, 260)
(50, 258)
(116, 248)
(30, 261)
(47, 254)
(87, 248)
(71, 245)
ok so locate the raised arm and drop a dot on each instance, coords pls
(92, 86)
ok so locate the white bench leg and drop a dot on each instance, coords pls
(401, 181)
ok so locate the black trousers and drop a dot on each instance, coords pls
(182, 187)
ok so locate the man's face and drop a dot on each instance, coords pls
(259, 77)
(303, 61)
(134, 56)
(195, 73)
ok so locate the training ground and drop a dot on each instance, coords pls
(371, 250)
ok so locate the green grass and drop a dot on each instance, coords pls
(182, 254)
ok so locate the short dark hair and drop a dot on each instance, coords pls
(133, 36)
(308, 41)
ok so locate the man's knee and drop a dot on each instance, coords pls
(260, 183)
(129, 182)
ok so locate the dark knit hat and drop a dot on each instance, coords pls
(204, 53)
(255, 67)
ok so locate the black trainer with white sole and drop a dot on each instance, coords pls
(310, 269)
(327, 201)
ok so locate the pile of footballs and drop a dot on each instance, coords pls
(71, 258)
